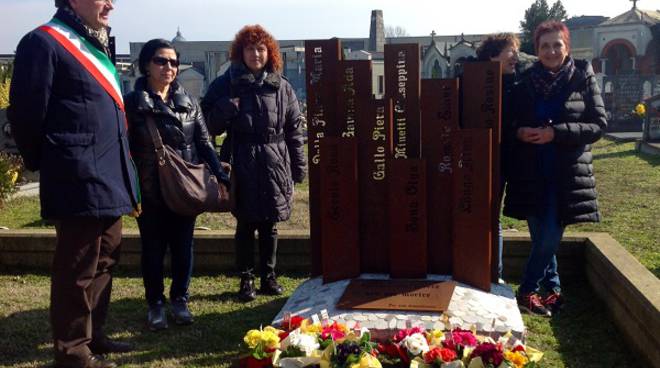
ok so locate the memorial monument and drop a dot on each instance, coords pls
(402, 194)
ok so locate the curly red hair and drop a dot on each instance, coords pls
(255, 34)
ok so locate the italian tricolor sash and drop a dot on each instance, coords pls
(96, 62)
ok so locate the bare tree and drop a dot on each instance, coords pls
(395, 31)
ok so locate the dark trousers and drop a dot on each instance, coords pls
(86, 252)
(244, 241)
(161, 229)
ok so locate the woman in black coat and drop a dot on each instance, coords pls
(258, 109)
(560, 113)
(181, 126)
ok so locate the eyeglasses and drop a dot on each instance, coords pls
(108, 2)
(158, 60)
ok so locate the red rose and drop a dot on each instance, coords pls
(447, 355)
(439, 355)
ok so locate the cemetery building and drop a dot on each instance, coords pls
(625, 53)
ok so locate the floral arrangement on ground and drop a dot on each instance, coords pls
(299, 342)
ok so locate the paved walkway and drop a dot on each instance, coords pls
(625, 136)
(27, 190)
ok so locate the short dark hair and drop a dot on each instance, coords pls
(493, 45)
(61, 3)
(551, 26)
(148, 51)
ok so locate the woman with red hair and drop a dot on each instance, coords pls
(559, 114)
(256, 106)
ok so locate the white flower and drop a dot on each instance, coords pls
(303, 341)
(416, 344)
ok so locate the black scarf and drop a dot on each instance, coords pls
(547, 83)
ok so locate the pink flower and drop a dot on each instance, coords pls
(334, 331)
(458, 338)
(402, 334)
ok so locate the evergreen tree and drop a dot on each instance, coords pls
(537, 13)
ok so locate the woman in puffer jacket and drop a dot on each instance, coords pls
(560, 113)
(257, 108)
(180, 123)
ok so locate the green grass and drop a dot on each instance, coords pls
(582, 336)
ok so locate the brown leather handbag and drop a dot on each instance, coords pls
(188, 189)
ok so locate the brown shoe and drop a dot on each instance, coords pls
(105, 345)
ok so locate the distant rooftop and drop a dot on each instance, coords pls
(634, 15)
(585, 21)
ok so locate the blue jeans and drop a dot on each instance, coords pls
(160, 229)
(541, 268)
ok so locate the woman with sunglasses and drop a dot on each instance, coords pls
(258, 109)
(181, 126)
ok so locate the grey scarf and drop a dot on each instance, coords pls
(102, 35)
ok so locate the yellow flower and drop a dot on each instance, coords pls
(640, 110)
(367, 361)
(435, 337)
(13, 175)
(270, 339)
(252, 338)
(516, 358)
(310, 328)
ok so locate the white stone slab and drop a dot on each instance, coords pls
(468, 307)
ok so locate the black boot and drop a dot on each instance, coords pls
(270, 286)
(247, 292)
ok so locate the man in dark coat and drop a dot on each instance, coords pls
(67, 117)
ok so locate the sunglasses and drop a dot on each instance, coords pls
(174, 63)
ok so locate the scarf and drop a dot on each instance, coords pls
(547, 83)
(102, 35)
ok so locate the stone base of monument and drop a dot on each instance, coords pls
(491, 314)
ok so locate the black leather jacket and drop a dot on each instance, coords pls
(181, 126)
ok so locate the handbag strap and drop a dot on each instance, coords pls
(155, 137)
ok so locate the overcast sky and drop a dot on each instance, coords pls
(209, 20)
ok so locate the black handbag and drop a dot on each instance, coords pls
(188, 189)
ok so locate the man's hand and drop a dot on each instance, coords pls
(536, 135)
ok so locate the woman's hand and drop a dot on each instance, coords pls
(536, 135)
(236, 101)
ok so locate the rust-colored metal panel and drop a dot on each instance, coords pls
(482, 88)
(402, 85)
(440, 115)
(374, 143)
(472, 212)
(407, 218)
(353, 93)
(321, 61)
(339, 214)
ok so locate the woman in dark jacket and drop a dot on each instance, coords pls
(181, 126)
(560, 113)
(258, 109)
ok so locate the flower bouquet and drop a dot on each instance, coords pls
(299, 343)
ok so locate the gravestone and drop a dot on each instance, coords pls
(407, 188)
(439, 106)
(321, 60)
